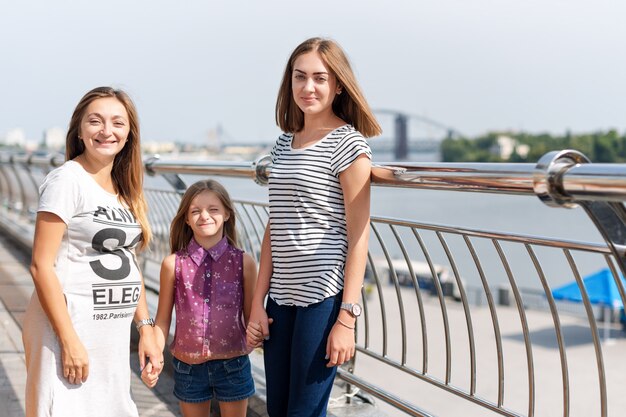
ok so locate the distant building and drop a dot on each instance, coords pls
(54, 138)
(153, 147)
(506, 145)
(15, 137)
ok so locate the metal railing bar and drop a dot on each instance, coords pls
(557, 327)
(594, 332)
(157, 204)
(44, 161)
(396, 285)
(444, 314)
(494, 319)
(173, 202)
(380, 293)
(217, 168)
(262, 220)
(167, 207)
(440, 384)
(357, 325)
(483, 177)
(20, 184)
(244, 237)
(581, 181)
(618, 281)
(8, 194)
(256, 233)
(420, 303)
(468, 316)
(163, 201)
(442, 303)
(525, 331)
(365, 302)
(509, 237)
(399, 294)
(35, 188)
(383, 394)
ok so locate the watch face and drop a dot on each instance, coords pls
(356, 310)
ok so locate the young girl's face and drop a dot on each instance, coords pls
(206, 215)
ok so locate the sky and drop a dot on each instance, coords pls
(193, 65)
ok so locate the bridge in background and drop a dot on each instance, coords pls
(425, 136)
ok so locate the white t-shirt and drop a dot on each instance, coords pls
(307, 216)
(97, 269)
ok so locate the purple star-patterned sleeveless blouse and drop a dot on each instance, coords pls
(208, 298)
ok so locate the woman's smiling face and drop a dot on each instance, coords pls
(104, 127)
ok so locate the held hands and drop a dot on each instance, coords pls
(340, 346)
(75, 361)
(148, 348)
(258, 327)
(149, 375)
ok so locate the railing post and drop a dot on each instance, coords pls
(608, 217)
(173, 179)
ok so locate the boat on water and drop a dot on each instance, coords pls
(424, 276)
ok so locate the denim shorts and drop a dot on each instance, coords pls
(222, 379)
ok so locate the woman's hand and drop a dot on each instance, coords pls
(150, 349)
(258, 326)
(340, 346)
(75, 361)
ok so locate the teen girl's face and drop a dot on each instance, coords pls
(104, 128)
(206, 216)
(313, 85)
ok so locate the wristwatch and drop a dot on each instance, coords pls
(353, 308)
(143, 322)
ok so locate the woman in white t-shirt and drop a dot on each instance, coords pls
(315, 246)
(88, 287)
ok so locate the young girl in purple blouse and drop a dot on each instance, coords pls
(210, 282)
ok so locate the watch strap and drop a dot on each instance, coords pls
(350, 308)
(144, 322)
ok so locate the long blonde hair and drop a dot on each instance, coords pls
(351, 106)
(127, 172)
(180, 231)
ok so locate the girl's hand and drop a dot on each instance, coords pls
(149, 375)
(340, 346)
(75, 361)
(258, 326)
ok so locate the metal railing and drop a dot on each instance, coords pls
(448, 324)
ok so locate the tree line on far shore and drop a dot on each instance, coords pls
(606, 146)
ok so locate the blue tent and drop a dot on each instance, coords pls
(601, 289)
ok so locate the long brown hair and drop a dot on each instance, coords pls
(350, 106)
(127, 172)
(180, 231)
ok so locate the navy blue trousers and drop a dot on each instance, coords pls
(298, 381)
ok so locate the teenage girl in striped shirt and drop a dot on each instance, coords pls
(315, 245)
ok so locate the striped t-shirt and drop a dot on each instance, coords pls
(307, 216)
